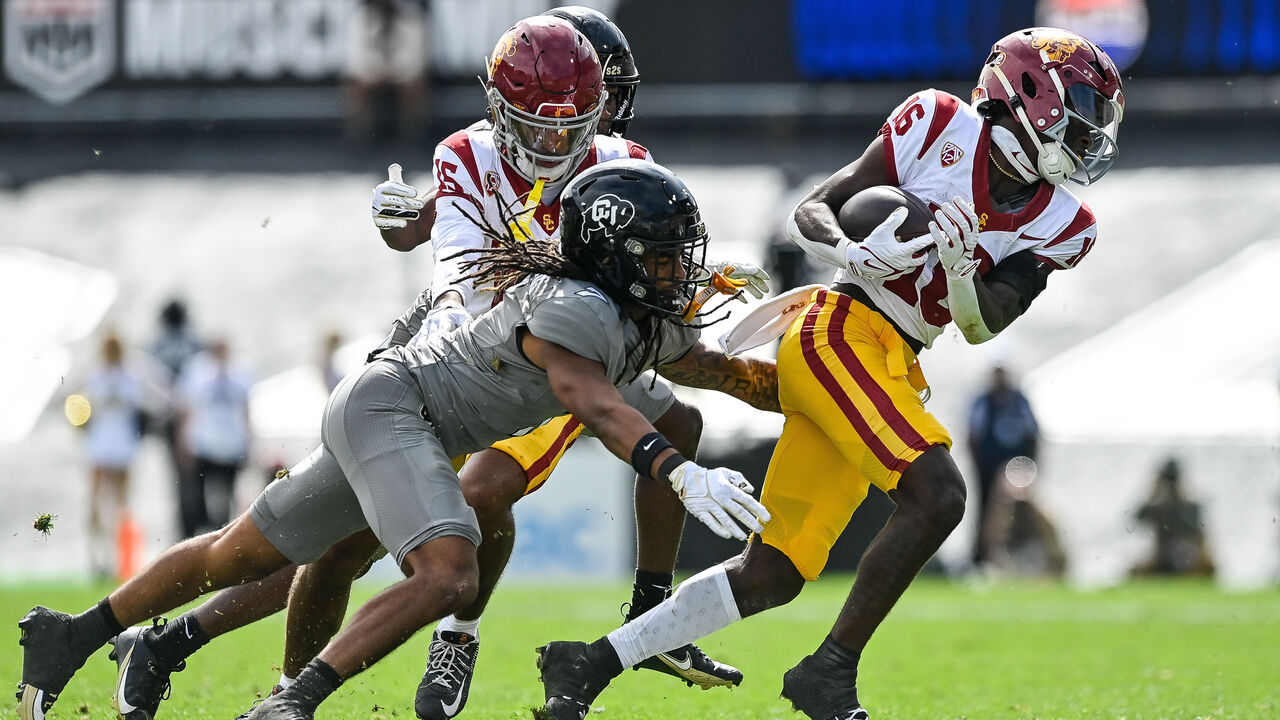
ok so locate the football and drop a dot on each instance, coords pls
(863, 212)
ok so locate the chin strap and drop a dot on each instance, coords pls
(1004, 139)
(1052, 161)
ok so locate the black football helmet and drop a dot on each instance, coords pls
(635, 229)
(620, 75)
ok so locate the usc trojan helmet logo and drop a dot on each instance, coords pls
(608, 214)
(1057, 47)
(506, 47)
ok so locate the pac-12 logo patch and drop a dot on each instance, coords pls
(951, 154)
(609, 214)
(491, 183)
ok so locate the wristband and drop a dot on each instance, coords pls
(646, 451)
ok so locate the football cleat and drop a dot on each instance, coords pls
(823, 691)
(571, 680)
(142, 682)
(451, 662)
(245, 715)
(49, 659)
(691, 664)
(280, 705)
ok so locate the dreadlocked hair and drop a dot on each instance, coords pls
(510, 259)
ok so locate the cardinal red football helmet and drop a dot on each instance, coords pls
(1065, 91)
(544, 90)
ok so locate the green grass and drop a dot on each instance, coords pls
(1150, 651)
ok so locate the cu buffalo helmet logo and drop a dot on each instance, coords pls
(608, 214)
(951, 154)
(1057, 47)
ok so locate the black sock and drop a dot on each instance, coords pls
(316, 682)
(649, 589)
(602, 652)
(833, 653)
(178, 640)
(95, 626)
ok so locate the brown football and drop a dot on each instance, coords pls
(863, 212)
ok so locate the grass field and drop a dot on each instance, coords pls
(1167, 651)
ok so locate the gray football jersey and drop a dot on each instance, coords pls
(477, 385)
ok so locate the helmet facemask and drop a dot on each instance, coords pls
(548, 143)
(664, 276)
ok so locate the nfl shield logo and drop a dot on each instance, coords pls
(59, 49)
(951, 154)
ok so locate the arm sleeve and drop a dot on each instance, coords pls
(1024, 272)
(453, 233)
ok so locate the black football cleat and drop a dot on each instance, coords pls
(245, 715)
(451, 663)
(692, 665)
(281, 705)
(823, 692)
(142, 681)
(571, 680)
(50, 656)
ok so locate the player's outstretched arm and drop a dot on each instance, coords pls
(716, 496)
(751, 380)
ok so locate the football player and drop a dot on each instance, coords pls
(574, 332)
(494, 480)
(1045, 110)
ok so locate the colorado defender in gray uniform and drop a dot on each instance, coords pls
(632, 252)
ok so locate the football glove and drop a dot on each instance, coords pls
(714, 495)
(394, 203)
(442, 319)
(880, 256)
(745, 276)
(955, 233)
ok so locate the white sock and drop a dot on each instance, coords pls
(700, 606)
(453, 624)
(285, 681)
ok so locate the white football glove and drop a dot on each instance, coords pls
(442, 319)
(880, 256)
(750, 278)
(714, 495)
(394, 203)
(955, 233)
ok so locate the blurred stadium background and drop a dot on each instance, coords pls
(152, 149)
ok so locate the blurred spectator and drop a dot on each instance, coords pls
(1001, 427)
(1019, 538)
(212, 402)
(329, 368)
(176, 343)
(116, 402)
(388, 57)
(1180, 547)
(173, 347)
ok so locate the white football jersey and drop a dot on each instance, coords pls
(936, 148)
(472, 178)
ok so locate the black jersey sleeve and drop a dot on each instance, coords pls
(1023, 272)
